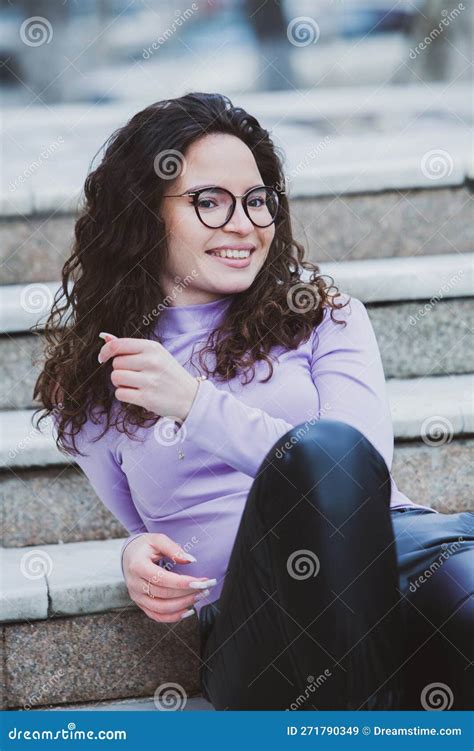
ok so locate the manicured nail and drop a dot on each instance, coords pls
(187, 613)
(98, 357)
(103, 334)
(201, 595)
(187, 557)
(203, 585)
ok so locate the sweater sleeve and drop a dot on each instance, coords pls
(107, 478)
(347, 372)
(207, 424)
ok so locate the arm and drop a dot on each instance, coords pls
(347, 371)
(107, 478)
(221, 424)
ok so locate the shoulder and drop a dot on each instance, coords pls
(353, 314)
(91, 435)
(354, 334)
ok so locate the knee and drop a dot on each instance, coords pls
(326, 444)
(335, 459)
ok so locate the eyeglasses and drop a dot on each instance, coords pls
(215, 206)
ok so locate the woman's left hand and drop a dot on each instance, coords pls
(146, 374)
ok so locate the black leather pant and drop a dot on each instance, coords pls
(311, 614)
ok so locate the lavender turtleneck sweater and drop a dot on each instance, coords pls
(192, 484)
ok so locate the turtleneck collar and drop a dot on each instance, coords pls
(174, 320)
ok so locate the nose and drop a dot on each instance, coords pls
(239, 221)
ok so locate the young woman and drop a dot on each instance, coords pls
(237, 424)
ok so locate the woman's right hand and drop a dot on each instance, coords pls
(164, 596)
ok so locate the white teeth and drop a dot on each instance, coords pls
(229, 253)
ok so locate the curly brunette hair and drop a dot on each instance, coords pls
(110, 280)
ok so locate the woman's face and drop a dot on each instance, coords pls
(225, 161)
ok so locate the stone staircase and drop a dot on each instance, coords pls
(71, 637)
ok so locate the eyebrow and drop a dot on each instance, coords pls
(213, 185)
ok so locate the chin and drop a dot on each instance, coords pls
(234, 286)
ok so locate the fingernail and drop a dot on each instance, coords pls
(187, 613)
(98, 357)
(103, 334)
(201, 595)
(187, 557)
(203, 585)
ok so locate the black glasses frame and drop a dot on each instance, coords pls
(196, 193)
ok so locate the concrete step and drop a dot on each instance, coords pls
(335, 227)
(45, 497)
(423, 304)
(65, 610)
(148, 704)
(363, 192)
(367, 102)
(318, 152)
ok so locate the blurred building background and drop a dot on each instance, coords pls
(99, 51)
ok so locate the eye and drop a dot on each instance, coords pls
(256, 202)
(206, 203)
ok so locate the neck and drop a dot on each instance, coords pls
(175, 320)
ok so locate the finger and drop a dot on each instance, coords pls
(124, 346)
(127, 379)
(172, 618)
(156, 575)
(162, 545)
(129, 362)
(167, 606)
(129, 395)
(164, 593)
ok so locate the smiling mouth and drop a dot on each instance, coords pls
(232, 253)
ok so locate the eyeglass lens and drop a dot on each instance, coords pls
(215, 206)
